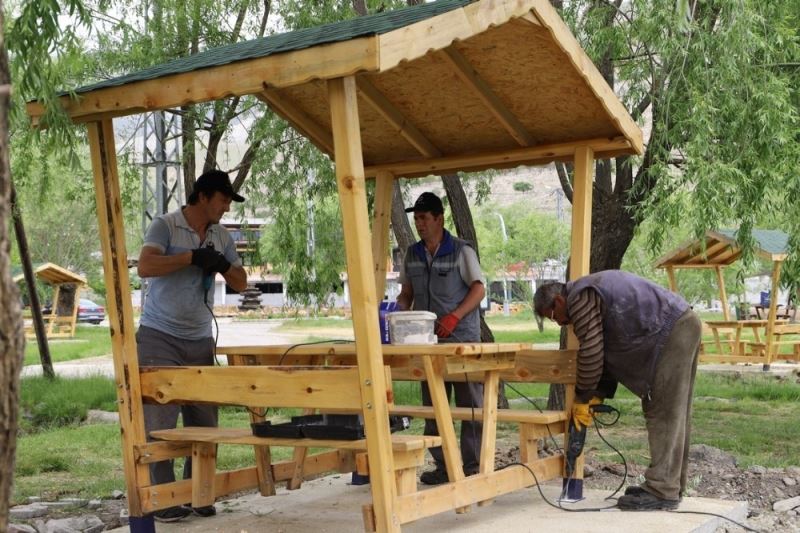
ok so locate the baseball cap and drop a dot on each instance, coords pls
(427, 203)
(217, 180)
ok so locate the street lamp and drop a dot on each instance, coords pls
(506, 311)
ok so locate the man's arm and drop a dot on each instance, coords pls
(586, 315)
(153, 262)
(471, 301)
(236, 277)
(406, 297)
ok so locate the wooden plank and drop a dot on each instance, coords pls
(489, 419)
(480, 363)
(380, 229)
(251, 76)
(318, 135)
(475, 488)
(355, 223)
(265, 386)
(435, 33)
(204, 466)
(528, 416)
(485, 94)
(534, 155)
(155, 497)
(406, 350)
(153, 452)
(110, 219)
(773, 309)
(549, 18)
(543, 366)
(673, 284)
(396, 119)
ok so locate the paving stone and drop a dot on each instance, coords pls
(34, 499)
(94, 504)
(21, 528)
(26, 512)
(124, 517)
(57, 505)
(117, 494)
(786, 505)
(96, 416)
(75, 524)
(789, 481)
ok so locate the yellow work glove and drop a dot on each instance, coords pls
(582, 412)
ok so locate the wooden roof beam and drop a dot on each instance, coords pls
(396, 118)
(234, 79)
(534, 155)
(484, 92)
(318, 135)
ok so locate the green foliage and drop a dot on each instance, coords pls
(522, 186)
(49, 403)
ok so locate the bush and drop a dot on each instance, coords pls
(522, 186)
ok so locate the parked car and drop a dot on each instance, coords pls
(88, 311)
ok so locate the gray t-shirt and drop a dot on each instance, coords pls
(174, 303)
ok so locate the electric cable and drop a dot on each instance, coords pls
(552, 437)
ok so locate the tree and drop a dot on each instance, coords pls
(714, 82)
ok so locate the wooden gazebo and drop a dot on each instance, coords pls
(454, 85)
(63, 314)
(717, 250)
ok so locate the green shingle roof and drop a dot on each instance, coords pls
(771, 241)
(376, 24)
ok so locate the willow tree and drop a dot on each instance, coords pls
(714, 83)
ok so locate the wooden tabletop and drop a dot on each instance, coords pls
(750, 323)
(349, 348)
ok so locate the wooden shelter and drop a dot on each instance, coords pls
(717, 250)
(63, 314)
(436, 88)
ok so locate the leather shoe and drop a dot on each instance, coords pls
(644, 501)
(205, 511)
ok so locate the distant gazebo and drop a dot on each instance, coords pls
(716, 250)
(66, 285)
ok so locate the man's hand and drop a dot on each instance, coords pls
(582, 412)
(222, 265)
(205, 258)
(447, 324)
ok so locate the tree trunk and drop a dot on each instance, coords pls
(12, 340)
(402, 229)
(465, 228)
(30, 282)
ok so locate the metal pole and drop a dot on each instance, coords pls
(506, 311)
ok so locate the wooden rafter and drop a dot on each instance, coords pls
(318, 135)
(396, 118)
(535, 155)
(484, 92)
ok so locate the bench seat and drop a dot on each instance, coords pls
(523, 416)
(400, 443)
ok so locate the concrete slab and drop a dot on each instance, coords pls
(330, 504)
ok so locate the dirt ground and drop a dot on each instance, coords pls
(713, 474)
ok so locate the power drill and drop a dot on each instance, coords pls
(576, 437)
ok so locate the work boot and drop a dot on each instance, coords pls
(434, 477)
(172, 514)
(634, 489)
(644, 501)
(205, 511)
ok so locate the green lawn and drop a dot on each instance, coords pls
(89, 341)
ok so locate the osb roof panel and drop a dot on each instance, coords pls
(721, 249)
(51, 273)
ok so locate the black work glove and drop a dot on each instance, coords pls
(222, 265)
(205, 258)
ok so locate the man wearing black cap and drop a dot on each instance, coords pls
(441, 274)
(182, 253)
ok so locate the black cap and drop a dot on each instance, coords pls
(427, 203)
(217, 180)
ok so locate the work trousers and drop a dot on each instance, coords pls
(668, 410)
(467, 395)
(156, 348)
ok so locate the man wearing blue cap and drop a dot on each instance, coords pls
(441, 274)
(182, 253)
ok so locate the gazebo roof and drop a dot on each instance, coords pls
(53, 274)
(721, 249)
(444, 86)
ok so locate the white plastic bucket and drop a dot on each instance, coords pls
(412, 327)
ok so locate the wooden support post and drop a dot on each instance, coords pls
(490, 386)
(673, 285)
(118, 304)
(384, 183)
(204, 468)
(580, 255)
(772, 351)
(51, 324)
(361, 280)
(726, 312)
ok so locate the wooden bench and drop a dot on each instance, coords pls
(408, 451)
(782, 335)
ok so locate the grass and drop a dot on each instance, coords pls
(89, 341)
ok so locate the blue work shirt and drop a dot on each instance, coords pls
(175, 303)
